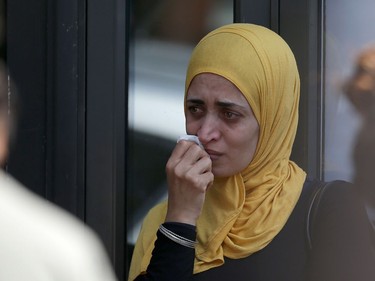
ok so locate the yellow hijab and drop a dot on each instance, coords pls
(244, 212)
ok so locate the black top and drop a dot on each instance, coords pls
(342, 248)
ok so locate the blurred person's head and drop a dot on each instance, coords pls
(4, 115)
(8, 101)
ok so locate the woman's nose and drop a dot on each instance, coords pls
(209, 130)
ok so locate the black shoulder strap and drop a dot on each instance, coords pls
(319, 187)
(317, 194)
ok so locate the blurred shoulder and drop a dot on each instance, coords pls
(42, 239)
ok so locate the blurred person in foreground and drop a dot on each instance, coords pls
(38, 240)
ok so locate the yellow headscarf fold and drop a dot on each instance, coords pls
(243, 213)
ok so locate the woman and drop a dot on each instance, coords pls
(240, 198)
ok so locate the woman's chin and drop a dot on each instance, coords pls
(221, 172)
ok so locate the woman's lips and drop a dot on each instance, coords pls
(214, 155)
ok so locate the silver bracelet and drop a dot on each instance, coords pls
(177, 238)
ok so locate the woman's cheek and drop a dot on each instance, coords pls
(191, 127)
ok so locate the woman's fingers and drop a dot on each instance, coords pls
(186, 155)
(200, 173)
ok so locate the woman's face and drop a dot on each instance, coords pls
(221, 117)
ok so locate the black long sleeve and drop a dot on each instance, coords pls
(171, 261)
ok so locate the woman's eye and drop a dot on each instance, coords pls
(194, 109)
(230, 115)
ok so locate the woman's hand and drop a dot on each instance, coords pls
(188, 175)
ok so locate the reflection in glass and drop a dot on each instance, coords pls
(343, 41)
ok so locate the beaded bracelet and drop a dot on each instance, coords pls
(177, 238)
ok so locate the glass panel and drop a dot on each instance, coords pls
(348, 29)
(164, 36)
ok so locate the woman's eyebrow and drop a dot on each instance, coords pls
(218, 103)
(229, 104)
(195, 101)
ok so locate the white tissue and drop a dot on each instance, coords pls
(190, 138)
